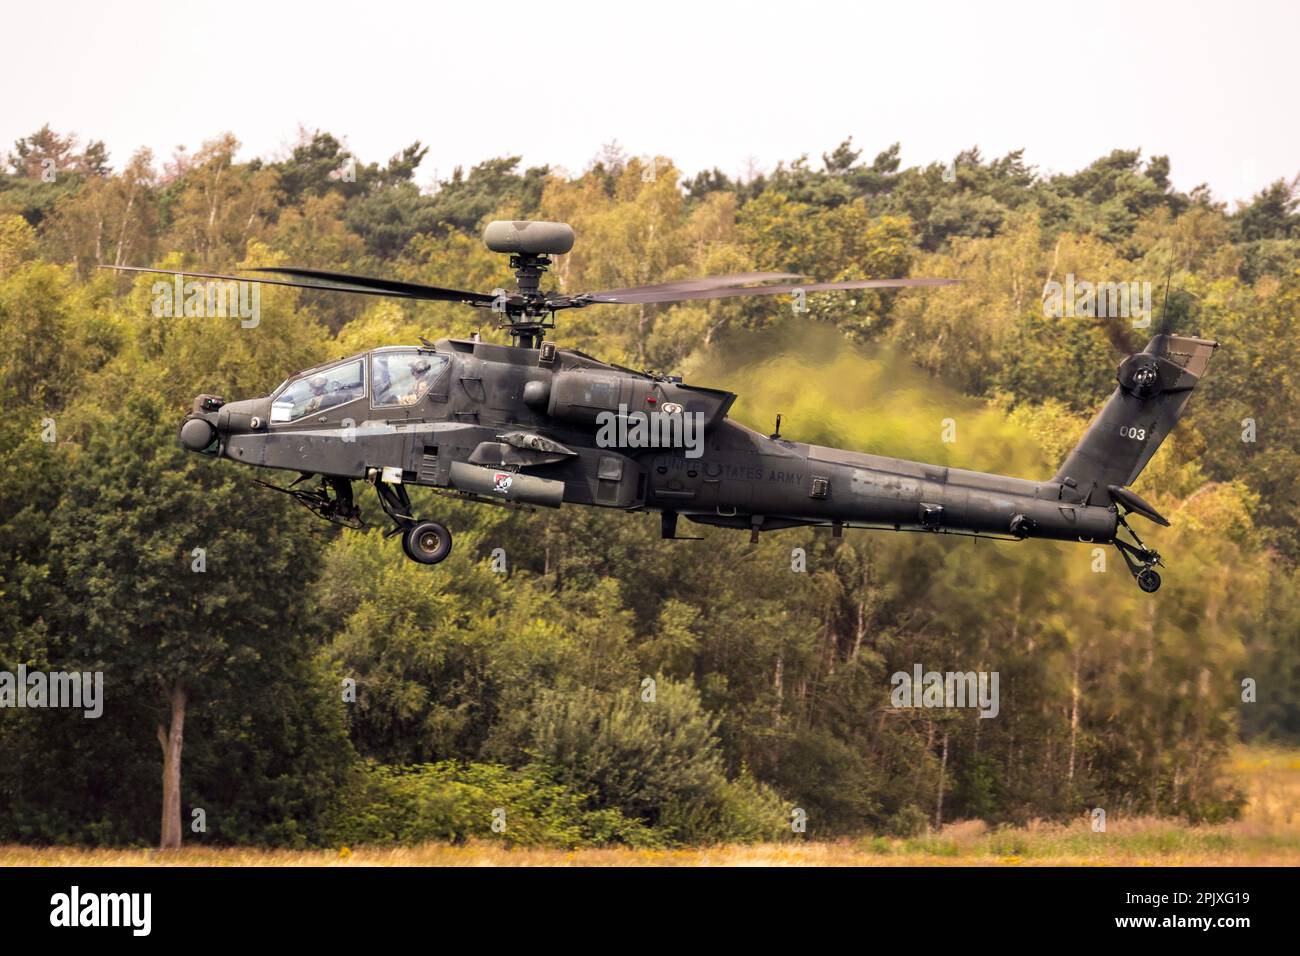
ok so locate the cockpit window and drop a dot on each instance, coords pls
(319, 391)
(404, 378)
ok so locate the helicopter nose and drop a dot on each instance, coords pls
(197, 433)
(199, 429)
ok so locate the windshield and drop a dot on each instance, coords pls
(319, 391)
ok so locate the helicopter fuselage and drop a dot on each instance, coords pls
(524, 426)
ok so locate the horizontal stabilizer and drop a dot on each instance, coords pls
(1136, 504)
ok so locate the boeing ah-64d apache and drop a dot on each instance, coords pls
(527, 423)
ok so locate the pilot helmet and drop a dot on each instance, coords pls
(420, 366)
(318, 383)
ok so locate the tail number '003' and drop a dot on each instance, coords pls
(1133, 432)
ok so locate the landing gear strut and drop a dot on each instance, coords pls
(424, 541)
(1141, 560)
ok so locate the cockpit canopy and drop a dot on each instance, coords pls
(397, 377)
(319, 390)
(404, 376)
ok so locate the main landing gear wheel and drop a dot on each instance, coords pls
(424, 541)
(1148, 580)
(427, 542)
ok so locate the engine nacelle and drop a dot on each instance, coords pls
(580, 396)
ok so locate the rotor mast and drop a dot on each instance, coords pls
(527, 322)
(528, 312)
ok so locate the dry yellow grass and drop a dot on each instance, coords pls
(1271, 778)
(1267, 835)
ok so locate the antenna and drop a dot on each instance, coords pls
(1164, 306)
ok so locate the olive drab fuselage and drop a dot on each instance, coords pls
(531, 426)
(535, 414)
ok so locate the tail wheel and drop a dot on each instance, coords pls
(1148, 580)
(426, 542)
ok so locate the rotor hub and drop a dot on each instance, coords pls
(527, 312)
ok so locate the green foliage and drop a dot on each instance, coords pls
(909, 821)
(454, 802)
(657, 760)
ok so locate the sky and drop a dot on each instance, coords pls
(738, 86)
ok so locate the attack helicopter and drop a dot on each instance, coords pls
(528, 424)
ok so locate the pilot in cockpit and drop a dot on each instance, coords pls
(420, 382)
(317, 400)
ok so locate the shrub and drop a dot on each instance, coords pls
(909, 821)
(657, 761)
(454, 801)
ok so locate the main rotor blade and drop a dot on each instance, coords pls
(635, 297)
(414, 290)
(705, 282)
(384, 287)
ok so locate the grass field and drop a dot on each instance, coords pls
(1267, 835)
